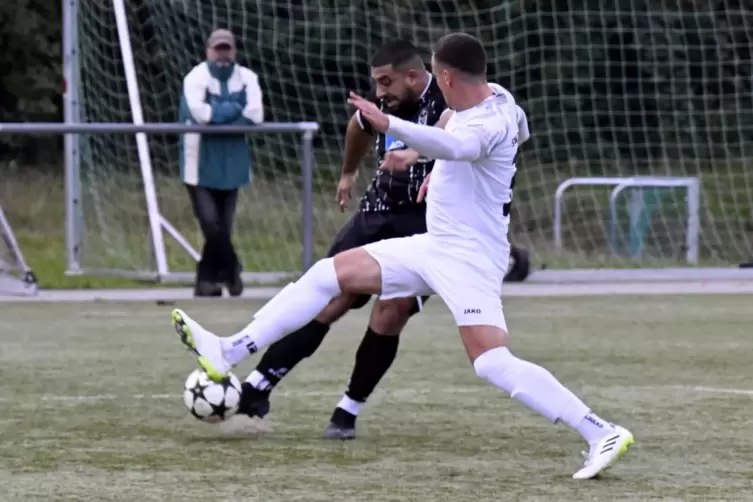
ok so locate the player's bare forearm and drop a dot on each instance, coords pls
(357, 143)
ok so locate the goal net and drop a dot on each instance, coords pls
(16, 278)
(627, 88)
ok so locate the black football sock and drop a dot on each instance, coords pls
(282, 356)
(373, 358)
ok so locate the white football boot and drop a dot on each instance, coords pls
(605, 452)
(205, 345)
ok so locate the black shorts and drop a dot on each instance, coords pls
(367, 227)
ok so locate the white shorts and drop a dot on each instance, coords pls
(414, 266)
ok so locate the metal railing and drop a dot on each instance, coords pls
(157, 222)
(691, 185)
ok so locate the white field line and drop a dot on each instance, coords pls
(378, 395)
(531, 289)
(96, 398)
(714, 390)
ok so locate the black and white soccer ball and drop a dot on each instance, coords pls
(211, 401)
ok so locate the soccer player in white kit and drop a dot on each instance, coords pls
(463, 257)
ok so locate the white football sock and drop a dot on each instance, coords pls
(291, 309)
(258, 380)
(349, 405)
(593, 428)
(536, 388)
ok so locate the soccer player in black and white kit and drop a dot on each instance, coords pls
(468, 215)
(390, 208)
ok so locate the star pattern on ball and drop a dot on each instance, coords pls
(211, 401)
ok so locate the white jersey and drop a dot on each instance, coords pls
(468, 202)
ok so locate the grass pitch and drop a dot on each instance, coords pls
(92, 408)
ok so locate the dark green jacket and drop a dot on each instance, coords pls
(211, 97)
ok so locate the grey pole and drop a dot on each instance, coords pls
(71, 159)
(307, 165)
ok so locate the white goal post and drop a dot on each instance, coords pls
(590, 118)
(158, 223)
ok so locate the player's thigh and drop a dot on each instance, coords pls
(361, 229)
(400, 263)
(405, 224)
(481, 338)
(394, 314)
(470, 288)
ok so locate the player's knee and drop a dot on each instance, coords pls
(359, 301)
(479, 339)
(337, 308)
(322, 277)
(491, 363)
(389, 317)
(358, 272)
(484, 368)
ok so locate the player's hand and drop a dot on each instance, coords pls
(422, 191)
(344, 189)
(399, 160)
(371, 112)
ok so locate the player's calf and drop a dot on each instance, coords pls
(375, 355)
(536, 388)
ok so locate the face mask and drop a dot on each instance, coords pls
(220, 72)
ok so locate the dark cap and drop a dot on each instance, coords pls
(221, 37)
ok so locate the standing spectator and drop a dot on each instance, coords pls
(214, 166)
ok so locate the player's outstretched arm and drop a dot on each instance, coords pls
(437, 143)
(443, 119)
(400, 160)
(429, 141)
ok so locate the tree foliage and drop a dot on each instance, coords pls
(627, 81)
(30, 73)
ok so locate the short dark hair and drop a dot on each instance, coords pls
(398, 53)
(462, 52)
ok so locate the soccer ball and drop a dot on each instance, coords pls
(211, 401)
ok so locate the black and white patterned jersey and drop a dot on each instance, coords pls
(391, 191)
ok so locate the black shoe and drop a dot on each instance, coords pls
(342, 426)
(520, 265)
(254, 402)
(207, 289)
(235, 285)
